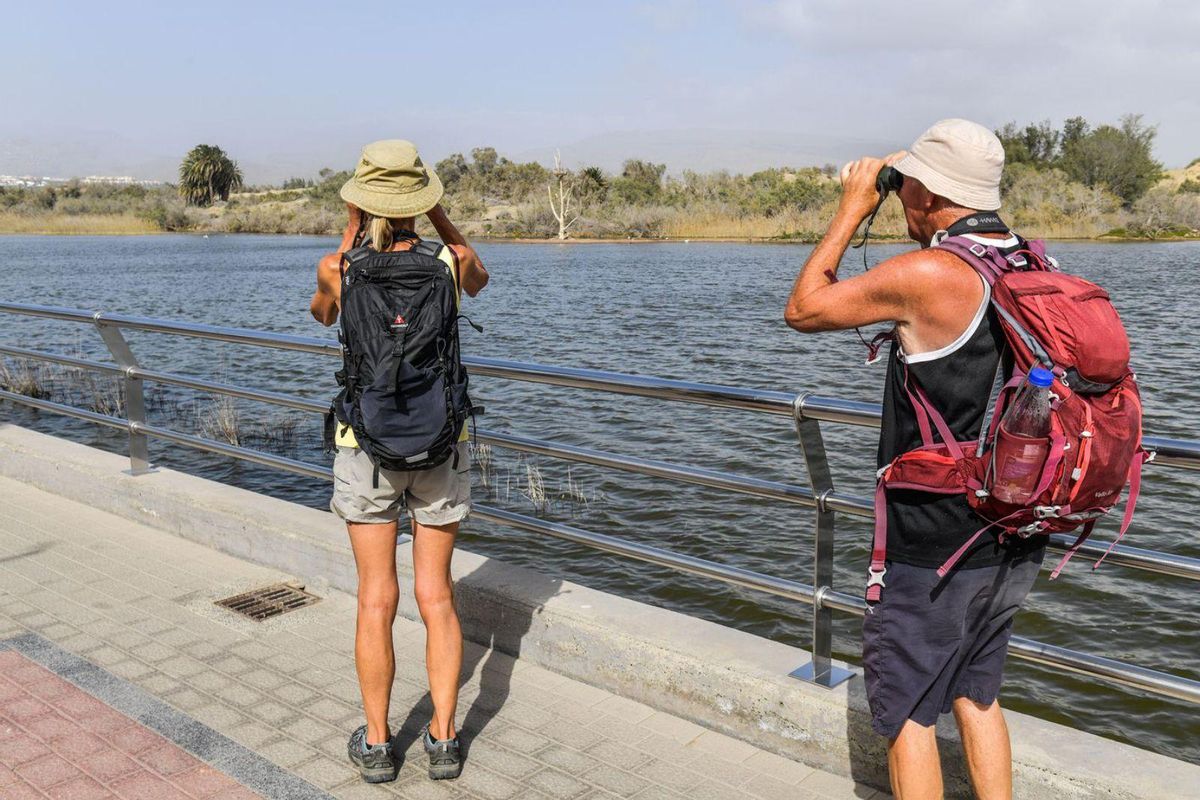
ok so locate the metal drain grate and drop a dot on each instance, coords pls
(269, 601)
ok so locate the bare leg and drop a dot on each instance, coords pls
(989, 754)
(913, 763)
(433, 545)
(378, 594)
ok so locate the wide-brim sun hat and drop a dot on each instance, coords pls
(391, 181)
(959, 160)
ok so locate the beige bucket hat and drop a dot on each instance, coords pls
(391, 181)
(959, 160)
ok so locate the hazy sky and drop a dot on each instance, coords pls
(290, 87)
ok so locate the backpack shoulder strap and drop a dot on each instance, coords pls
(354, 256)
(427, 247)
(989, 262)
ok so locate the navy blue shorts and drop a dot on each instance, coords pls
(930, 641)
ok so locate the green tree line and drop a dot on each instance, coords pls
(1116, 157)
(1080, 180)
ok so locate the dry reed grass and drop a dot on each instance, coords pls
(25, 377)
(76, 224)
(220, 420)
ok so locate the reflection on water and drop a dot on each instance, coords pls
(707, 312)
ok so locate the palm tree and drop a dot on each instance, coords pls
(207, 174)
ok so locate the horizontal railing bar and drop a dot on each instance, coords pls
(771, 402)
(214, 387)
(1122, 672)
(1124, 555)
(1150, 680)
(1131, 675)
(48, 312)
(66, 361)
(1173, 452)
(1169, 452)
(737, 576)
(281, 341)
(233, 451)
(187, 381)
(798, 495)
(845, 412)
(65, 410)
(196, 442)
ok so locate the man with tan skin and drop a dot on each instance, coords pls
(931, 645)
(393, 187)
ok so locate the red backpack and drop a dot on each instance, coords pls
(1069, 326)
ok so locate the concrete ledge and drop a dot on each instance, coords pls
(718, 677)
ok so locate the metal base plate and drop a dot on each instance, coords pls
(834, 677)
(136, 472)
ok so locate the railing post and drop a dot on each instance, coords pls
(820, 669)
(135, 399)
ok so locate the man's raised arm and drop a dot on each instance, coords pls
(819, 301)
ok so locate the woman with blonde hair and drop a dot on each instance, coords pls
(390, 189)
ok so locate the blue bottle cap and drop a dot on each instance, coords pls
(1041, 377)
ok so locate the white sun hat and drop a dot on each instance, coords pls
(959, 160)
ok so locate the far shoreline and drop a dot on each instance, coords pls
(589, 240)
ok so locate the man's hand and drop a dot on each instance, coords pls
(859, 196)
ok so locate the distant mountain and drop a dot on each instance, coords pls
(85, 154)
(105, 153)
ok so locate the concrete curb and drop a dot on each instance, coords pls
(719, 677)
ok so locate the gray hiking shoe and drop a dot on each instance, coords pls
(445, 756)
(375, 762)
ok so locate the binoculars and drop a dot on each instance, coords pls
(888, 180)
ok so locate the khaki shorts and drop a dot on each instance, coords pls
(438, 496)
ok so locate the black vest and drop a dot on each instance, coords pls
(925, 529)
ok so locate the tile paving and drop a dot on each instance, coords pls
(43, 754)
(130, 606)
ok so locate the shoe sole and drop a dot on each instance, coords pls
(445, 773)
(375, 774)
(379, 775)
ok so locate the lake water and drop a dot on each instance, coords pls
(705, 312)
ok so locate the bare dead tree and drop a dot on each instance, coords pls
(566, 195)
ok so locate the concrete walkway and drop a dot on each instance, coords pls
(211, 706)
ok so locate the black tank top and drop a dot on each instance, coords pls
(925, 529)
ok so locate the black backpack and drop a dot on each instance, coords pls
(404, 389)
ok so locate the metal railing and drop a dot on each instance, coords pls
(807, 411)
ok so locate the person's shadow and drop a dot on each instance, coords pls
(496, 604)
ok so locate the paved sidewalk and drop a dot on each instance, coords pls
(178, 693)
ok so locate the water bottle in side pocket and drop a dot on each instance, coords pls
(1023, 441)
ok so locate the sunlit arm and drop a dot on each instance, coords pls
(328, 296)
(821, 302)
(325, 300)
